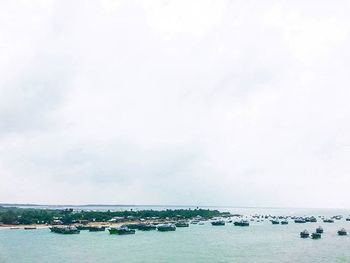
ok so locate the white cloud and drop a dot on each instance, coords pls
(170, 102)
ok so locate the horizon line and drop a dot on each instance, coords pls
(162, 205)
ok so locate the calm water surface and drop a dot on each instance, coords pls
(260, 242)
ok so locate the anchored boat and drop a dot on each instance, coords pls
(147, 227)
(166, 227)
(304, 234)
(319, 230)
(218, 223)
(96, 228)
(29, 228)
(82, 227)
(65, 230)
(329, 220)
(316, 235)
(182, 224)
(275, 222)
(121, 231)
(342, 232)
(241, 223)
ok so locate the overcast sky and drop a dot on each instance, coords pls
(242, 103)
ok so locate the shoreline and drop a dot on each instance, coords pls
(99, 224)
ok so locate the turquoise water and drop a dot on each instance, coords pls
(260, 242)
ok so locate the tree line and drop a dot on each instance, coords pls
(23, 216)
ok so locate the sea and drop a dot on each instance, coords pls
(260, 242)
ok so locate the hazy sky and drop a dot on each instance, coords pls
(241, 103)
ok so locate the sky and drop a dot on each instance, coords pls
(174, 102)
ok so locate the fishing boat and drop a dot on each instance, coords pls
(313, 219)
(299, 220)
(319, 230)
(218, 223)
(315, 235)
(96, 228)
(304, 234)
(121, 231)
(133, 226)
(65, 230)
(182, 224)
(310, 219)
(342, 232)
(241, 223)
(29, 228)
(275, 221)
(166, 227)
(328, 220)
(82, 227)
(147, 227)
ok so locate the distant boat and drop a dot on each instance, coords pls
(132, 226)
(342, 232)
(218, 223)
(82, 227)
(316, 235)
(328, 220)
(299, 220)
(304, 234)
(182, 224)
(284, 222)
(319, 230)
(241, 223)
(337, 217)
(96, 228)
(65, 230)
(275, 222)
(311, 219)
(147, 227)
(347, 219)
(140, 226)
(166, 227)
(121, 231)
(29, 228)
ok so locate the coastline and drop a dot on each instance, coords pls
(98, 224)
